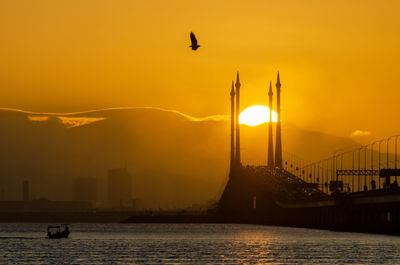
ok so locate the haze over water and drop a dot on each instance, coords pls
(192, 244)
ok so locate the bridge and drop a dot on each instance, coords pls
(355, 190)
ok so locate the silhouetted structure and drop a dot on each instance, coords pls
(253, 189)
(298, 197)
(270, 136)
(84, 189)
(25, 190)
(57, 232)
(232, 127)
(237, 85)
(278, 148)
(119, 187)
(44, 206)
(137, 204)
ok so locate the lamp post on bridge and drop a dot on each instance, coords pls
(327, 171)
(395, 152)
(341, 161)
(337, 176)
(296, 166)
(315, 175)
(311, 174)
(322, 172)
(306, 171)
(352, 174)
(318, 173)
(372, 163)
(303, 166)
(365, 168)
(359, 167)
(327, 180)
(379, 166)
(299, 168)
(387, 152)
(341, 164)
(334, 165)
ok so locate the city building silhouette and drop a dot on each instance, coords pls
(237, 154)
(119, 182)
(25, 190)
(270, 133)
(232, 126)
(278, 143)
(84, 189)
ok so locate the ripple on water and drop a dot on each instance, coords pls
(192, 243)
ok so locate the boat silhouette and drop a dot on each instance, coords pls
(58, 231)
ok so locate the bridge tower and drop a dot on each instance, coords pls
(232, 127)
(237, 85)
(270, 136)
(278, 143)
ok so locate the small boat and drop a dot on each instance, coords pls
(58, 231)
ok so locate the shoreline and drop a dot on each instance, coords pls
(169, 218)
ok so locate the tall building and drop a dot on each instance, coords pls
(25, 190)
(270, 136)
(278, 143)
(232, 127)
(237, 85)
(119, 187)
(84, 189)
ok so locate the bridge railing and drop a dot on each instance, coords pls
(355, 170)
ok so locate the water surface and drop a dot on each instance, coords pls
(192, 243)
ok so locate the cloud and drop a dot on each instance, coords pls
(68, 122)
(219, 117)
(212, 118)
(360, 133)
(71, 122)
(67, 114)
(38, 118)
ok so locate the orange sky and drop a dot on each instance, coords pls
(339, 60)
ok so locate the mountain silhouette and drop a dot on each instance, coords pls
(175, 160)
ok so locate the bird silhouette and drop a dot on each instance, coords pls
(194, 45)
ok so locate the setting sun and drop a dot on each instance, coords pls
(256, 115)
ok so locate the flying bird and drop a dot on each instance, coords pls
(194, 45)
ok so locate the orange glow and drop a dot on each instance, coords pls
(69, 56)
(256, 115)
